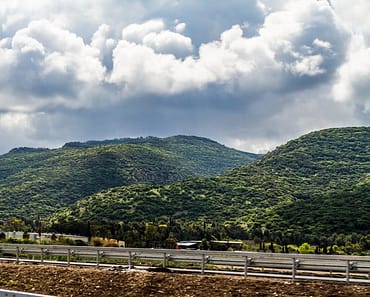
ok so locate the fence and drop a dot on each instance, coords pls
(293, 266)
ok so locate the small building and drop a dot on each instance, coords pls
(53, 236)
(14, 234)
(34, 236)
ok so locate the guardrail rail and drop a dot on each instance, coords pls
(293, 266)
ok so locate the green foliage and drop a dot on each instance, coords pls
(336, 212)
(305, 248)
(315, 185)
(309, 190)
(19, 241)
(37, 182)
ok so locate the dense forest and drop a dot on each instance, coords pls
(311, 187)
(38, 182)
(314, 189)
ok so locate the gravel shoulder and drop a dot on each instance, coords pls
(76, 281)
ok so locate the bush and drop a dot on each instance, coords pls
(305, 248)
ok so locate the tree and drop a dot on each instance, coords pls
(171, 241)
(14, 224)
(365, 242)
(204, 245)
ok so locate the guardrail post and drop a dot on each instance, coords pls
(17, 255)
(294, 269)
(164, 262)
(42, 255)
(129, 260)
(97, 258)
(348, 267)
(246, 264)
(203, 262)
(68, 257)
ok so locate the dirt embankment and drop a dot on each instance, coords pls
(74, 281)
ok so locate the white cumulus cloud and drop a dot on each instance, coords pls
(137, 32)
(354, 76)
(114, 68)
(180, 27)
(168, 42)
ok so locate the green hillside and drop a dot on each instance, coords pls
(343, 211)
(38, 182)
(204, 157)
(297, 187)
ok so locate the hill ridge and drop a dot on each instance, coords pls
(36, 182)
(319, 166)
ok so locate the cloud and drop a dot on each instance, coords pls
(352, 85)
(205, 21)
(309, 66)
(154, 35)
(354, 76)
(354, 15)
(254, 74)
(21, 129)
(168, 42)
(137, 32)
(158, 73)
(105, 43)
(321, 43)
(285, 49)
(48, 62)
(180, 27)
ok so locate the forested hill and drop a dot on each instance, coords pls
(202, 155)
(321, 168)
(38, 182)
(343, 211)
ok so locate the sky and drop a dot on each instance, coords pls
(250, 74)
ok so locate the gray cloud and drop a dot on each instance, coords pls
(205, 21)
(250, 74)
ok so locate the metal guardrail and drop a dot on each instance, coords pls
(7, 293)
(293, 266)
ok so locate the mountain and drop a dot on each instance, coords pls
(298, 186)
(38, 182)
(204, 156)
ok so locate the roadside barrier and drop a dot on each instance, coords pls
(292, 266)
